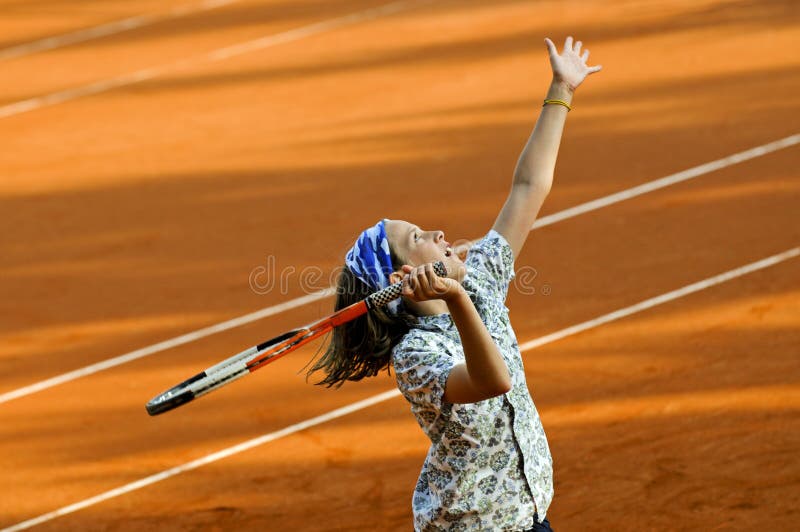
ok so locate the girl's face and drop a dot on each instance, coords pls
(415, 246)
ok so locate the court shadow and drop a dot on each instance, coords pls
(732, 15)
(191, 24)
(151, 249)
(708, 471)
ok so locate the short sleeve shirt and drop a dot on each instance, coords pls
(489, 465)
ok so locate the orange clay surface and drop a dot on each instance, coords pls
(137, 214)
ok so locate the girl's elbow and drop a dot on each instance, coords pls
(504, 387)
(537, 184)
(501, 383)
(499, 387)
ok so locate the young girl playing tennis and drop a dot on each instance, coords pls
(454, 353)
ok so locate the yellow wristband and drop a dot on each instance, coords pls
(559, 102)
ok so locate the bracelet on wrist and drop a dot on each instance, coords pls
(558, 102)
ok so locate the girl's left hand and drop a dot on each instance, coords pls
(422, 284)
(570, 67)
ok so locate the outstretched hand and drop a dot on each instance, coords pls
(570, 67)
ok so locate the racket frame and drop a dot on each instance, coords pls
(260, 355)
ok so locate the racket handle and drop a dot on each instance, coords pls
(383, 297)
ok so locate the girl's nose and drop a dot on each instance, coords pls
(439, 236)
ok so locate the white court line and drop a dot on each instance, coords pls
(166, 344)
(390, 394)
(269, 311)
(110, 28)
(66, 95)
(685, 175)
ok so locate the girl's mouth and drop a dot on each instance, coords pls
(448, 251)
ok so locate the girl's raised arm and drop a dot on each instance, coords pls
(533, 175)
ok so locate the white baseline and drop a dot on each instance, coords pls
(390, 394)
(276, 309)
(109, 28)
(105, 85)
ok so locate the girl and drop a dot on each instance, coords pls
(455, 355)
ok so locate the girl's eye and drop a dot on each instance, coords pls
(416, 237)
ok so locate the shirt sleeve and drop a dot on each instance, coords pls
(422, 371)
(490, 263)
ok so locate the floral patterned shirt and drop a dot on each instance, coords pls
(489, 465)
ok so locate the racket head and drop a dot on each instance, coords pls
(214, 377)
(262, 354)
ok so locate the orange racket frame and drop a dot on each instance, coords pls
(262, 354)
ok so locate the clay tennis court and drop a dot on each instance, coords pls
(151, 170)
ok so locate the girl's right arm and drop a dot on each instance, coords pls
(533, 176)
(485, 374)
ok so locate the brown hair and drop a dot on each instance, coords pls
(362, 347)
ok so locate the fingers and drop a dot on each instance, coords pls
(430, 283)
(570, 66)
(550, 46)
(412, 287)
(407, 289)
(568, 45)
(422, 283)
(423, 280)
(438, 287)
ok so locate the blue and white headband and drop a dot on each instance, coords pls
(370, 261)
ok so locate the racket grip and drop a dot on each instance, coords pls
(383, 297)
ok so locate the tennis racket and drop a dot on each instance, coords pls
(262, 354)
